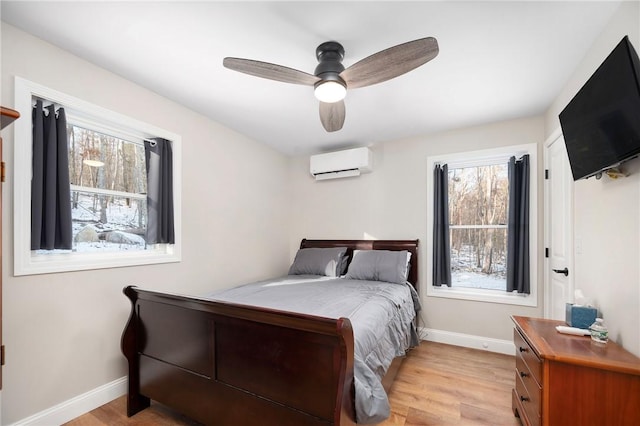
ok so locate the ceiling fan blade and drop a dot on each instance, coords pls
(332, 115)
(390, 63)
(270, 71)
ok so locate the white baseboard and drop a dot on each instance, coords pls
(468, 341)
(77, 406)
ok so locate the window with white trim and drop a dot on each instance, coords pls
(108, 188)
(478, 202)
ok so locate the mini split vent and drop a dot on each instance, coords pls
(339, 164)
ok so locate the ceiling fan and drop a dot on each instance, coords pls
(330, 78)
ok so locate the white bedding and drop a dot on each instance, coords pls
(382, 316)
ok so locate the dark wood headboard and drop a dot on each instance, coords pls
(397, 245)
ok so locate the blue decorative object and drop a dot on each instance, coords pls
(580, 316)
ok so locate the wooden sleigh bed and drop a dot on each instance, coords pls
(228, 364)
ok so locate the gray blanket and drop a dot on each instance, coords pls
(382, 316)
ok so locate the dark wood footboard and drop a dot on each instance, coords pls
(226, 364)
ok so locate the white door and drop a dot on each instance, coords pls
(558, 273)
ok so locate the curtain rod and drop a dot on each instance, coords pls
(89, 122)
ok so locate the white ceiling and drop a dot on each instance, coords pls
(497, 61)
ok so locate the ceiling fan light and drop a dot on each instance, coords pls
(330, 91)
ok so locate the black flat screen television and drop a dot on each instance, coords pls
(601, 124)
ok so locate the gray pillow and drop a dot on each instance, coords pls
(318, 261)
(379, 265)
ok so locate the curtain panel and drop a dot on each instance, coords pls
(50, 190)
(518, 226)
(441, 244)
(159, 163)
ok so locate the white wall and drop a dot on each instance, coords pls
(391, 203)
(607, 212)
(62, 331)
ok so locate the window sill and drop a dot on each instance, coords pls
(68, 262)
(479, 295)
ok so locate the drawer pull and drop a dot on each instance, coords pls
(523, 374)
(524, 399)
(523, 349)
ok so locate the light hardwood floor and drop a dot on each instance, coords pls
(437, 385)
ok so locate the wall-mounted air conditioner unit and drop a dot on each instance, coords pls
(339, 164)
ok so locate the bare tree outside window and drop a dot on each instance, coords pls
(478, 200)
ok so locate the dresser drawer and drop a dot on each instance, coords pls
(525, 401)
(527, 354)
(533, 389)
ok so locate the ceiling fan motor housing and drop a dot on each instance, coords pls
(330, 55)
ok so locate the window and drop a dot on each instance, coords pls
(477, 227)
(107, 188)
(478, 200)
(108, 191)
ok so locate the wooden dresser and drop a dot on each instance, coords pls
(564, 380)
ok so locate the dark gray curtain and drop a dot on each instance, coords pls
(159, 159)
(441, 245)
(518, 226)
(50, 191)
